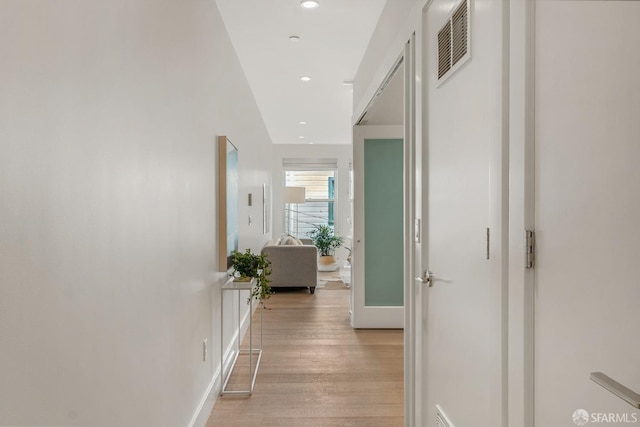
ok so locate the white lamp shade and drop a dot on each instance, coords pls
(294, 195)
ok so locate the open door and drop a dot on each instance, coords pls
(381, 196)
(378, 247)
(386, 233)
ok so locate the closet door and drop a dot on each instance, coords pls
(587, 208)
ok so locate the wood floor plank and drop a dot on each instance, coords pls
(317, 371)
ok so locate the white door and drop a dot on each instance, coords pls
(587, 143)
(378, 246)
(463, 310)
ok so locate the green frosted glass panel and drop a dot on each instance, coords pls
(383, 217)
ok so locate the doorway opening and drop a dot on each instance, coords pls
(378, 250)
(384, 247)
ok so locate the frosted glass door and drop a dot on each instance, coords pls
(383, 264)
(378, 250)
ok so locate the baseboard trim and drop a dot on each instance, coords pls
(208, 400)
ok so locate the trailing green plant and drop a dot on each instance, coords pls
(324, 239)
(246, 265)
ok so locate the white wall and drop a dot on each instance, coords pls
(315, 151)
(383, 46)
(108, 275)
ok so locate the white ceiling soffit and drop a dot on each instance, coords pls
(332, 41)
(388, 109)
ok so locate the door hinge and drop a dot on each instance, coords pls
(530, 262)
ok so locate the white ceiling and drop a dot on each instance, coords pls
(333, 38)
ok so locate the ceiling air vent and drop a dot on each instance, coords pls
(453, 41)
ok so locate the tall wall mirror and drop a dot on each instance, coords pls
(227, 201)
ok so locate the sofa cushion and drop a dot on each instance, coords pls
(290, 241)
(284, 240)
(273, 242)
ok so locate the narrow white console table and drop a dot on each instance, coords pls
(232, 286)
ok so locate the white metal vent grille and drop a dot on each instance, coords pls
(459, 29)
(441, 418)
(453, 41)
(441, 422)
(444, 49)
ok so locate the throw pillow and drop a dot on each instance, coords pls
(289, 241)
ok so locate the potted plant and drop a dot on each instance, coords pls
(247, 265)
(327, 242)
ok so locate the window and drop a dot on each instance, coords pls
(319, 205)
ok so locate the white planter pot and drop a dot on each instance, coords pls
(327, 263)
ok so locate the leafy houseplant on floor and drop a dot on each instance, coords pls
(247, 265)
(327, 242)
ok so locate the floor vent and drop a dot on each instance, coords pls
(453, 41)
(441, 418)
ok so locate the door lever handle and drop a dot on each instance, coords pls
(624, 393)
(427, 278)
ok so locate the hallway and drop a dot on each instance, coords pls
(318, 371)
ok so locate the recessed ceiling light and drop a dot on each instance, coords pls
(294, 38)
(347, 82)
(302, 123)
(301, 137)
(305, 78)
(309, 4)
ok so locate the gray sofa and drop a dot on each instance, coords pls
(292, 265)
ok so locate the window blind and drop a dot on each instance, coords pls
(309, 164)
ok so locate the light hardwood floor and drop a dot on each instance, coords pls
(317, 371)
